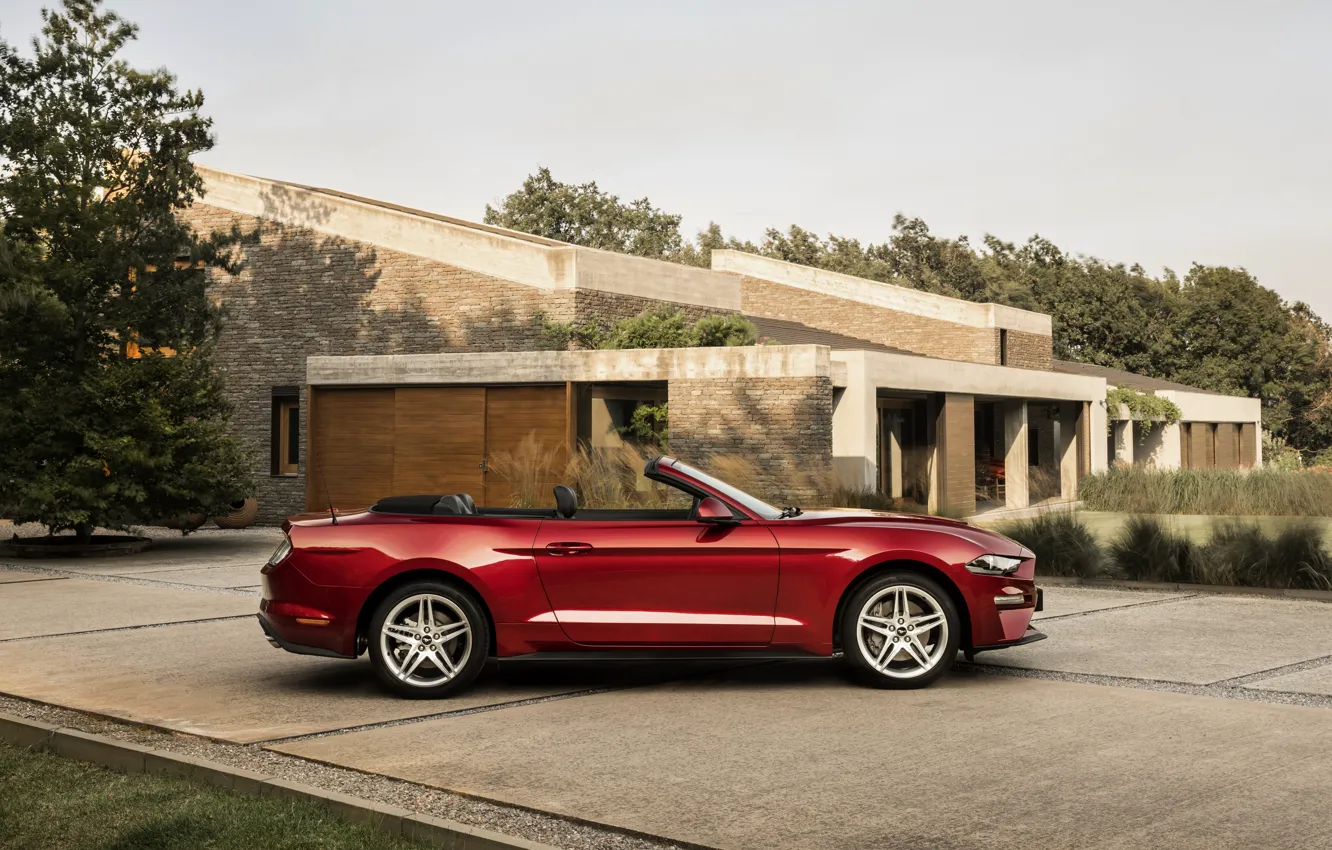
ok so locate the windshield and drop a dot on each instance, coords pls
(755, 506)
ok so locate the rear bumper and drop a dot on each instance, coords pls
(300, 649)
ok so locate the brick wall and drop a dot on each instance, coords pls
(303, 293)
(593, 305)
(1030, 351)
(782, 426)
(908, 332)
(956, 430)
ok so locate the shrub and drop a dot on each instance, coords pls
(1146, 550)
(659, 328)
(712, 331)
(1241, 554)
(1299, 559)
(1220, 492)
(1062, 543)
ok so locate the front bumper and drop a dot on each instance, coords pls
(1031, 636)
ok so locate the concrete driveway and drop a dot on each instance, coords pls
(1146, 720)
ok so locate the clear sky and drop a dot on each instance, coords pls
(1155, 132)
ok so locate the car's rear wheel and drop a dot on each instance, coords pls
(428, 639)
(900, 630)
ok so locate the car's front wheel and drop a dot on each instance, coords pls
(900, 630)
(428, 639)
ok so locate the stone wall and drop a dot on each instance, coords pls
(592, 305)
(1030, 351)
(907, 331)
(780, 427)
(302, 293)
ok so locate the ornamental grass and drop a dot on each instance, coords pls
(1217, 492)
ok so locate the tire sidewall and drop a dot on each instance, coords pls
(472, 665)
(849, 628)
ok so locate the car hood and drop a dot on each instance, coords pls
(991, 541)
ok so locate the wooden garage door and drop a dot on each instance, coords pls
(439, 440)
(512, 415)
(351, 441)
(405, 441)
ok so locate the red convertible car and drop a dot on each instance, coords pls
(432, 586)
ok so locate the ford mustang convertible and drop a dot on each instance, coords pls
(433, 586)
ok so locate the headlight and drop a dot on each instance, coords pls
(994, 565)
(282, 551)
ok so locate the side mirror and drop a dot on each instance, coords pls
(714, 511)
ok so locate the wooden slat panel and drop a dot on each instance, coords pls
(1248, 438)
(513, 413)
(440, 440)
(1227, 446)
(352, 441)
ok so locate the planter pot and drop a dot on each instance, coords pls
(190, 522)
(67, 546)
(242, 514)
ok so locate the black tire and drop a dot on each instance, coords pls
(427, 679)
(924, 596)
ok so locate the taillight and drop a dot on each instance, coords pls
(278, 556)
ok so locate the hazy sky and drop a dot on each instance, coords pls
(1155, 132)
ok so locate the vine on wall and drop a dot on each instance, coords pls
(1148, 409)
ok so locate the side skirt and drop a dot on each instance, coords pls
(599, 655)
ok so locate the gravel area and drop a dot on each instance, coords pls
(156, 532)
(509, 820)
(1229, 689)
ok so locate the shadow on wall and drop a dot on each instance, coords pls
(771, 440)
(303, 292)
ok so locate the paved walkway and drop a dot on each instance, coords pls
(1146, 720)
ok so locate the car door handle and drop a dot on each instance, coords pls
(568, 548)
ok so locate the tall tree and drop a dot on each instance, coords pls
(585, 215)
(1219, 329)
(110, 410)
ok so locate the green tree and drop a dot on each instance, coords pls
(1218, 329)
(94, 166)
(585, 215)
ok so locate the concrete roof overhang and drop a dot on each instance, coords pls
(528, 367)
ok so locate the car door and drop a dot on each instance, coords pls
(659, 582)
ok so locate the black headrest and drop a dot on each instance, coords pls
(467, 502)
(449, 505)
(566, 503)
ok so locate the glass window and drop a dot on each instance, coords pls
(753, 504)
(286, 435)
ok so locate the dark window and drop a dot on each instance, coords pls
(286, 431)
(1003, 346)
(1033, 447)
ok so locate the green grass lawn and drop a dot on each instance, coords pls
(50, 802)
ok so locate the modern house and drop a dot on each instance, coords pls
(373, 349)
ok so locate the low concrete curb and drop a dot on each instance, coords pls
(130, 758)
(1268, 592)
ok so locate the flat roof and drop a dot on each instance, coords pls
(1122, 378)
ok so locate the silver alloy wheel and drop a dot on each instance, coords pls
(425, 640)
(902, 631)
